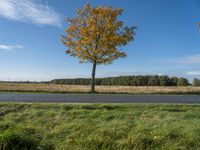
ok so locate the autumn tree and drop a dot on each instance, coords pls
(95, 35)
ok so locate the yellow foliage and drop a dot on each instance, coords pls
(95, 35)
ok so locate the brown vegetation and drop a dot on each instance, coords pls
(101, 89)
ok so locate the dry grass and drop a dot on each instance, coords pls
(100, 89)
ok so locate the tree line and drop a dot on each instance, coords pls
(196, 82)
(139, 80)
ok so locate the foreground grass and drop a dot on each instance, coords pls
(58, 88)
(99, 126)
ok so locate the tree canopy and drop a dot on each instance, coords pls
(95, 35)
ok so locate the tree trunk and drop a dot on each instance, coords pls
(93, 78)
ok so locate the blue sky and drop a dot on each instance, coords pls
(167, 39)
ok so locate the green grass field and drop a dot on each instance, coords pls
(99, 126)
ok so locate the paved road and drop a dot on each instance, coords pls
(98, 98)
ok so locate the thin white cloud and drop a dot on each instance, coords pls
(193, 59)
(9, 48)
(186, 60)
(193, 73)
(29, 11)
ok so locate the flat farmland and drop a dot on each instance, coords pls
(58, 88)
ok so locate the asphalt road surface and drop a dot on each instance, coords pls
(97, 98)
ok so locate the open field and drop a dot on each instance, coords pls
(99, 126)
(55, 88)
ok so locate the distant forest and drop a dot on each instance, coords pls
(140, 80)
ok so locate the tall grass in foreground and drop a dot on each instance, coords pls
(99, 126)
(100, 89)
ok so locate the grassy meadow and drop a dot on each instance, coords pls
(58, 88)
(99, 126)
